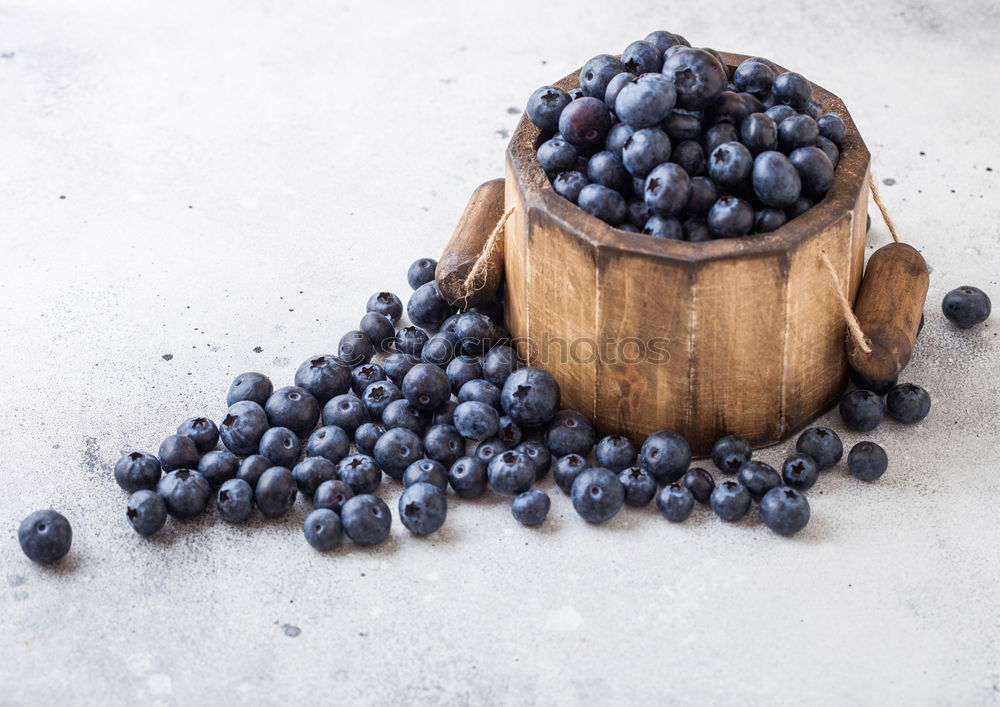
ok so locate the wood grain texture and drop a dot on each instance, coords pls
(888, 307)
(485, 207)
(753, 333)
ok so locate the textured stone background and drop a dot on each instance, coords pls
(192, 189)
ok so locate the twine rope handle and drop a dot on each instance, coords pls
(492, 250)
(881, 207)
(853, 326)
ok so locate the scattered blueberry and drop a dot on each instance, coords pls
(468, 477)
(867, 461)
(426, 387)
(444, 443)
(377, 397)
(531, 507)
(640, 486)
(597, 495)
(480, 390)
(908, 403)
(499, 363)
(730, 500)
(421, 272)
(400, 413)
(785, 511)
(423, 508)
(136, 471)
(569, 432)
(252, 468)
(255, 387)
(530, 396)
(45, 536)
(355, 348)
(511, 472)
(545, 105)
(387, 304)
(276, 492)
(178, 452)
(218, 466)
(330, 442)
(822, 444)
(866, 383)
(346, 411)
(538, 454)
(281, 447)
(426, 308)
(323, 376)
(366, 519)
(234, 501)
(361, 472)
(185, 492)
(292, 407)
(509, 432)
(700, 483)
(332, 494)
(311, 472)
(567, 468)
(396, 450)
(146, 512)
(615, 452)
(426, 471)
(202, 432)
(675, 502)
(862, 410)
(367, 435)
(476, 420)
(397, 365)
(461, 370)
(758, 478)
(665, 455)
(322, 529)
(800, 471)
(966, 306)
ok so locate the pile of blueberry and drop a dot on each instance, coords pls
(665, 142)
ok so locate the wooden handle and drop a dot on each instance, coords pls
(481, 215)
(889, 304)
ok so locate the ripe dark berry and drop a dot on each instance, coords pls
(800, 471)
(243, 426)
(753, 76)
(585, 123)
(426, 308)
(409, 341)
(606, 168)
(667, 227)
(569, 432)
(908, 403)
(822, 444)
(355, 348)
(234, 501)
(146, 512)
(644, 150)
(345, 411)
(377, 397)
(556, 155)
(792, 89)
(530, 396)
(420, 272)
(396, 450)
(618, 135)
(545, 105)
(426, 471)
(468, 477)
(45, 536)
(719, 134)
(444, 444)
(367, 435)
(136, 471)
(832, 127)
(252, 468)
(640, 486)
(218, 466)
(178, 452)
(567, 468)
(311, 472)
(480, 391)
(730, 164)
(386, 303)
(332, 494)
(797, 131)
(509, 432)
(276, 492)
(730, 217)
(663, 40)
(255, 387)
(690, 156)
(615, 452)
(615, 85)
(785, 511)
(867, 461)
(759, 133)
(602, 202)
(399, 413)
(700, 483)
(776, 182)
(704, 194)
(642, 57)
(730, 501)
(281, 447)
(682, 125)
(538, 454)
(361, 472)
(862, 410)
(758, 478)
(966, 306)
(814, 168)
(675, 503)
(423, 508)
(324, 376)
(511, 472)
(568, 185)
(185, 493)
(531, 507)
(440, 348)
(697, 75)
(729, 107)
(731, 452)
(292, 407)
(767, 220)
(595, 75)
(461, 370)
(597, 495)
(426, 387)
(330, 442)
(366, 519)
(646, 101)
(322, 529)
(833, 154)
(202, 432)
(667, 189)
(665, 455)
(779, 113)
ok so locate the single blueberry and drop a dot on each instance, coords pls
(178, 452)
(615, 85)
(800, 471)
(665, 455)
(867, 461)
(361, 472)
(509, 432)
(146, 512)
(697, 75)
(444, 444)
(832, 127)
(530, 396)
(475, 333)
(606, 169)
(537, 453)
(642, 57)
(603, 202)
(663, 40)
(567, 468)
(396, 450)
(400, 413)
(730, 217)
(489, 448)
(397, 365)
(345, 411)
(379, 330)
(421, 272)
(322, 529)
(792, 89)
(569, 184)
(234, 501)
(966, 306)
(730, 107)
(363, 376)
(461, 369)
(366, 519)
(378, 396)
(530, 507)
(440, 348)
(330, 442)
(255, 387)
(281, 447)
(426, 387)
(730, 500)
(511, 472)
(797, 131)
(640, 487)
(476, 420)
(585, 123)
(690, 156)
(292, 407)
(780, 112)
(759, 133)
(814, 168)
(667, 189)
(332, 494)
(468, 477)
(480, 390)
(423, 508)
(311, 472)
(569, 432)
(597, 495)
(45, 536)
(675, 502)
(615, 452)
(426, 308)
(730, 164)
(184, 492)
(768, 220)
(596, 73)
(822, 444)
(785, 511)
(555, 155)
(682, 125)
(833, 154)
(387, 304)
(136, 471)
(545, 105)
(666, 227)
(704, 194)
(700, 483)
(908, 403)
(202, 432)
(862, 410)
(499, 363)
(720, 134)
(367, 435)
(276, 492)
(219, 466)
(775, 180)
(355, 348)
(758, 478)
(646, 101)
(426, 471)
(754, 77)
(323, 376)
(252, 468)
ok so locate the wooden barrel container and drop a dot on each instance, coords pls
(741, 336)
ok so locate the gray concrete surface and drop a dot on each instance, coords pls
(193, 189)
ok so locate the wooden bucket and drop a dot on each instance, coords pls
(751, 328)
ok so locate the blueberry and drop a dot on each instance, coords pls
(255, 387)
(731, 452)
(908, 403)
(378, 396)
(475, 333)
(45, 536)
(556, 155)
(462, 369)
(311, 472)
(640, 487)
(509, 432)
(530, 396)
(800, 471)
(792, 89)
(730, 500)
(323, 376)
(243, 426)
(785, 511)
(779, 113)
(730, 217)
(499, 363)
(813, 109)
(666, 227)
(822, 444)
(704, 194)
(729, 107)
(646, 101)
(252, 468)
(445, 415)
(966, 306)
(361, 472)
(185, 492)
(615, 452)
(799, 207)
(776, 182)
(444, 444)
(730, 164)
(752, 103)
(440, 349)
(682, 125)
(367, 435)
(545, 105)
(379, 330)
(597, 495)
(426, 471)
(489, 448)
(397, 365)
(602, 202)
(345, 411)
(423, 508)
(663, 40)
(567, 468)
(136, 471)
(386, 303)
(468, 477)
(642, 57)
(178, 452)
(538, 454)
(690, 156)
(355, 348)
(569, 184)
(322, 529)
(281, 447)
(832, 127)
(754, 77)
(426, 387)
(768, 220)
(292, 407)
(700, 483)
(797, 131)
(421, 272)
(362, 377)
(615, 85)
(330, 442)
(665, 455)
(606, 168)
(234, 501)
(696, 230)
(867, 461)
(146, 512)
(814, 168)
(667, 189)
(479, 390)
(366, 519)
(511, 472)
(399, 413)
(596, 74)
(617, 137)
(862, 410)
(202, 432)
(332, 494)
(569, 432)
(758, 478)
(833, 154)
(585, 123)
(276, 492)
(720, 134)
(396, 450)
(759, 133)
(865, 383)
(697, 75)
(531, 507)
(675, 503)
(218, 467)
